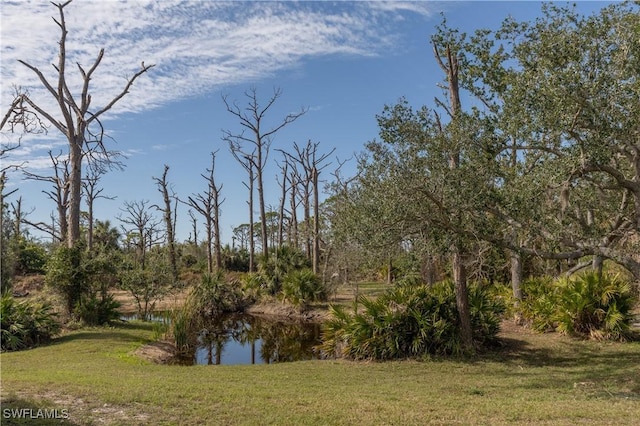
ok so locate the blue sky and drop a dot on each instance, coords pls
(342, 60)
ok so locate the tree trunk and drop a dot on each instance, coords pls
(428, 271)
(307, 220)
(90, 227)
(293, 221)
(252, 243)
(516, 275)
(75, 191)
(283, 200)
(263, 213)
(596, 264)
(168, 221)
(209, 227)
(462, 300)
(316, 222)
(216, 231)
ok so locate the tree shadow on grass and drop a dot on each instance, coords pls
(597, 369)
(123, 331)
(566, 352)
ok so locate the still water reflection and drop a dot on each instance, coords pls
(245, 339)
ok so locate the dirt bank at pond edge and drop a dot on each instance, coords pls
(284, 312)
(160, 352)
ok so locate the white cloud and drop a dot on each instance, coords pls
(195, 44)
(198, 46)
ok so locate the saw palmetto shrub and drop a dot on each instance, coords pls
(274, 269)
(595, 305)
(409, 321)
(302, 287)
(589, 304)
(216, 295)
(25, 323)
(97, 310)
(539, 303)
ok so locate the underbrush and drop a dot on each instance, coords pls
(589, 305)
(26, 323)
(410, 321)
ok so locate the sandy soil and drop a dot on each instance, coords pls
(159, 352)
(128, 304)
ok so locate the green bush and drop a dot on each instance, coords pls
(594, 305)
(31, 257)
(254, 283)
(280, 262)
(146, 286)
(67, 274)
(25, 324)
(589, 304)
(215, 295)
(409, 321)
(94, 310)
(539, 303)
(302, 287)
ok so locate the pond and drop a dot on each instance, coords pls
(246, 339)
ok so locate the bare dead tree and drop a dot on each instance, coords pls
(168, 216)
(248, 166)
(92, 192)
(20, 119)
(317, 167)
(194, 227)
(303, 186)
(311, 164)
(208, 204)
(284, 169)
(142, 229)
(294, 181)
(252, 119)
(17, 120)
(18, 215)
(59, 193)
(76, 120)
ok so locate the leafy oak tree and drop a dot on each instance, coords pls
(563, 93)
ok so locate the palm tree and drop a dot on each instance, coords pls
(105, 236)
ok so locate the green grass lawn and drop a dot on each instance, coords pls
(532, 379)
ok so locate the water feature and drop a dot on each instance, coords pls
(247, 339)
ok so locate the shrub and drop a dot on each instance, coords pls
(146, 286)
(595, 305)
(409, 321)
(214, 296)
(254, 283)
(31, 257)
(66, 273)
(25, 324)
(302, 287)
(281, 261)
(539, 303)
(589, 304)
(93, 310)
